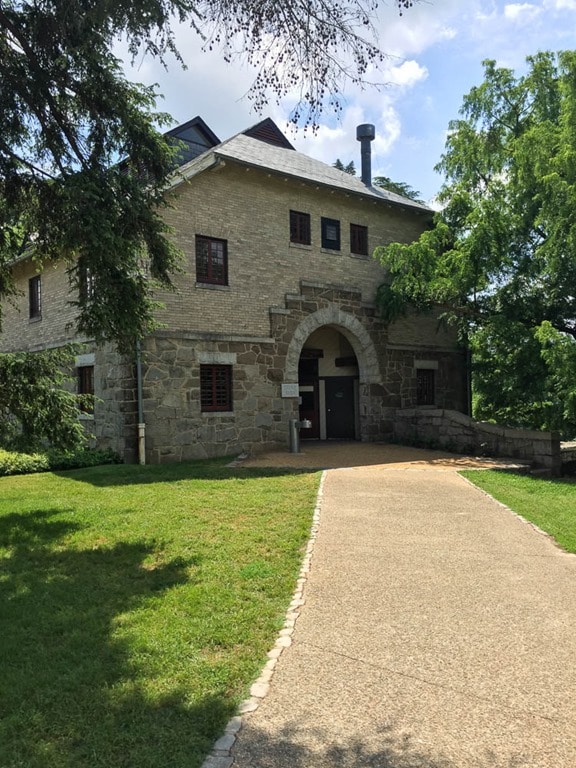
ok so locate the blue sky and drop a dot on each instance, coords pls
(436, 49)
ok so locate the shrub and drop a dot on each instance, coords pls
(12, 463)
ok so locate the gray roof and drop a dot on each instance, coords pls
(288, 162)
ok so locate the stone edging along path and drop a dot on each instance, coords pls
(221, 755)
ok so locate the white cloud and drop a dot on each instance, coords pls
(521, 12)
(339, 142)
(407, 74)
(560, 5)
(411, 35)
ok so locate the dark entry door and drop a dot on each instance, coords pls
(340, 408)
(309, 410)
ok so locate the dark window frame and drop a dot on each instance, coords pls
(35, 298)
(211, 272)
(425, 386)
(87, 281)
(85, 375)
(330, 229)
(359, 239)
(300, 228)
(216, 393)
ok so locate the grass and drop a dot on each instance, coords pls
(137, 605)
(549, 504)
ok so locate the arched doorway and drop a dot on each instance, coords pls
(328, 377)
(337, 386)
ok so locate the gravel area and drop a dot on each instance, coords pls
(334, 454)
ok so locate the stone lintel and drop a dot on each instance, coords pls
(429, 349)
(350, 289)
(207, 336)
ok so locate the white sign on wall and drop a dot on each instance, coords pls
(290, 390)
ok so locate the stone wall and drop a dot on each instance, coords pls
(176, 427)
(116, 402)
(455, 431)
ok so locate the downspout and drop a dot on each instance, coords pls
(469, 378)
(141, 424)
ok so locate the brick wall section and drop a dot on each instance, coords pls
(263, 266)
(250, 210)
(56, 325)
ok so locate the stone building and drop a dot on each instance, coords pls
(273, 317)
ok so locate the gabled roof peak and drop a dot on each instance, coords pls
(267, 130)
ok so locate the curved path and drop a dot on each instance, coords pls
(438, 631)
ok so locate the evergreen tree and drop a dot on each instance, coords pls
(346, 168)
(69, 116)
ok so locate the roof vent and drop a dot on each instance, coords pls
(365, 133)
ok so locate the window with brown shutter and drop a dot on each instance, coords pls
(216, 387)
(300, 228)
(359, 239)
(211, 260)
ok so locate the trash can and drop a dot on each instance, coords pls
(294, 435)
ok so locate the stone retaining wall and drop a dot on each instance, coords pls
(453, 430)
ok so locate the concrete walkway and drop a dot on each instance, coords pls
(438, 631)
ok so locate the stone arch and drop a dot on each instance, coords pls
(350, 327)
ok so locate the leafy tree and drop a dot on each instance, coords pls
(502, 254)
(350, 168)
(69, 116)
(399, 187)
(35, 405)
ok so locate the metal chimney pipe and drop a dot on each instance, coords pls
(365, 133)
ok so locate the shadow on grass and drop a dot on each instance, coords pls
(68, 695)
(134, 474)
(396, 749)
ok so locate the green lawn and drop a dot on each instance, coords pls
(137, 605)
(549, 504)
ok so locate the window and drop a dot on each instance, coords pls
(359, 239)
(424, 386)
(300, 228)
(86, 386)
(331, 234)
(216, 387)
(35, 298)
(87, 283)
(211, 260)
